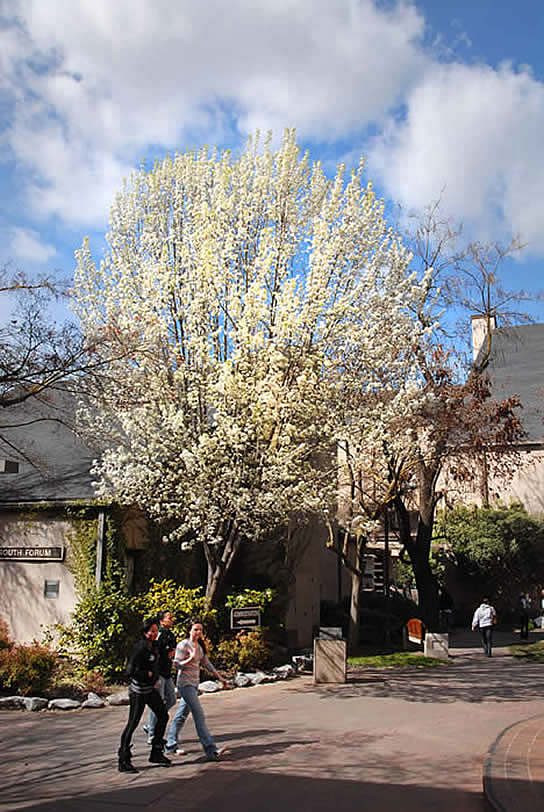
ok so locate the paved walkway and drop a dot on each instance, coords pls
(410, 740)
(513, 774)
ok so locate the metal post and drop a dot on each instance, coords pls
(386, 552)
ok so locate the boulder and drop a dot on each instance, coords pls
(93, 701)
(35, 703)
(241, 680)
(12, 703)
(284, 671)
(64, 704)
(208, 686)
(120, 698)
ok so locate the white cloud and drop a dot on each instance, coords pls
(115, 77)
(96, 83)
(474, 135)
(26, 245)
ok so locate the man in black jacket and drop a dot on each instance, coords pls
(143, 670)
(166, 642)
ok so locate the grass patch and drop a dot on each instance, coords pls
(399, 659)
(533, 653)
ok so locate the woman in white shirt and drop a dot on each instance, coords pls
(190, 656)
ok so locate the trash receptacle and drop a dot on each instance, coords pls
(330, 660)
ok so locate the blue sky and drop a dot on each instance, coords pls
(441, 97)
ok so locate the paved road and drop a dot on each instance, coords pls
(407, 740)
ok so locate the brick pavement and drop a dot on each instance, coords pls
(410, 740)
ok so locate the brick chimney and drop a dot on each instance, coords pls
(479, 332)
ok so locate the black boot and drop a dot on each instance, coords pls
(157, 757)
(125, 763)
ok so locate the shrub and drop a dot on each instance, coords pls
(250, 597)
(104, 627)
(184, 604)
(244, 652)
(265, 599)
(27, 669)
(106, 622)
(5, 640)
(70, 679)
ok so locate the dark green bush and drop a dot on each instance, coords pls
(104, 626)
(500, 550)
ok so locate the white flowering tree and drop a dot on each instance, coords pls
(244, 291)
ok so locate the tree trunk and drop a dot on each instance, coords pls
(427, 590)
(219, 566)
(419, 549)
(356, 578)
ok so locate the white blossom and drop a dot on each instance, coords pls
(259, 308)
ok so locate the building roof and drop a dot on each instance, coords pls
(53, 463)
(516, 367)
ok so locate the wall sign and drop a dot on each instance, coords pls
(32, 553)
(247, 618)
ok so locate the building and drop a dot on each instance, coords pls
(516, 366)
(44, 468)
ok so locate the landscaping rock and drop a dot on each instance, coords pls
(303, 662)
(93, 701)
(12, 703)
(257, 677)
(120, 698)
(209, 686)
(64, 704)
(284, 671)
(35, 703)
(241, 680)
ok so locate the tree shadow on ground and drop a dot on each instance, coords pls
(42, 780)
(479, 679)
(232, 790)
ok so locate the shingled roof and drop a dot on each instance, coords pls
(53, 463)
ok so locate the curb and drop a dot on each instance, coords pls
(509, 783)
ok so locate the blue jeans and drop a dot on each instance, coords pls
(487, 639)
(190, 703)
(167, 692)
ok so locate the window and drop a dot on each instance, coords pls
(51, 589)
(9, 467)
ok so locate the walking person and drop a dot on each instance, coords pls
(524, 608)
(190, 656)
(166, 644)
(143, 670)
(484, 619)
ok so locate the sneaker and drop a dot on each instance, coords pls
(216, 755)
(149, 741)
(145, 728)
